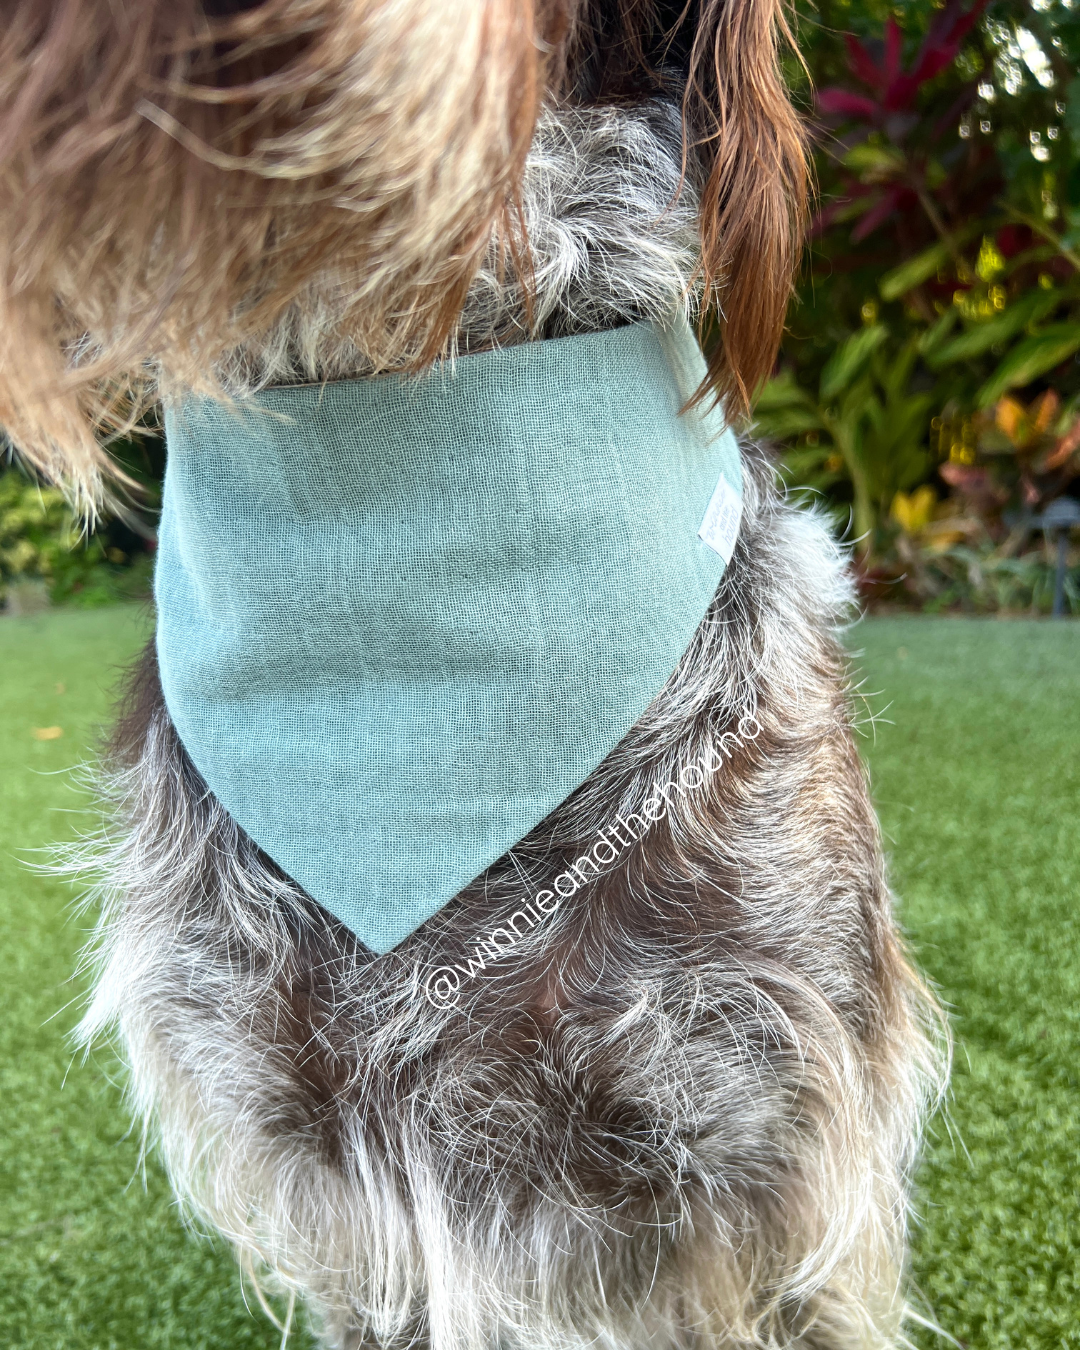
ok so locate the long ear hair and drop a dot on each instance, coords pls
(753, 206)
(744, 141)
(174, 173)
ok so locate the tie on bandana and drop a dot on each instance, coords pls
(400, 619)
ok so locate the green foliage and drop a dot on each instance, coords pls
(978, 578)
(943, 273)
(864, 424)
(903, 279)
(1029, 359)
(42, 541)
(35, 527)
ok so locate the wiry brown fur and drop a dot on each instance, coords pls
(172, 183)
(682, 1113)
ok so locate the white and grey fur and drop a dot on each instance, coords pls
(684, 1112)
(611, 223)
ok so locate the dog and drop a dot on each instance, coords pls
(684, 1109)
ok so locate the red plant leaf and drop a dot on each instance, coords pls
(862, 64)
(1014, 239)
(842, 103)
(899, 88)
(942, 44)
(901, 92)
(890, 200)
(894, 41)
(933, 63)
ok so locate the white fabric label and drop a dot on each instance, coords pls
(720, 528)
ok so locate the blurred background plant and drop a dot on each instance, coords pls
(46, 556)
(929, 383)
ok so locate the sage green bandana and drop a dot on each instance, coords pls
(401, 619)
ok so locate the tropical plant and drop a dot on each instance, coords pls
(942, 286)
(863, 421)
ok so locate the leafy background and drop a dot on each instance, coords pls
(929, 383)
(46, 555)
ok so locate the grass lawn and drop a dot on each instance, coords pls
(976, 776)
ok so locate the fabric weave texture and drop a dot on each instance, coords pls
(400, 619)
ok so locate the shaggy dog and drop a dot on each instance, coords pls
(683, 1112)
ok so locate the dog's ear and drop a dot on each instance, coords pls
(743, 138)
(174, 173)
(752, 145)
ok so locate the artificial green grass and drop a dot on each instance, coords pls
(977, 782)
(90, 1257)
(976, 778)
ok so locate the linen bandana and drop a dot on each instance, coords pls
(400, 619)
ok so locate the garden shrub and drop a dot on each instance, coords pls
(933, 351)
(41, 540)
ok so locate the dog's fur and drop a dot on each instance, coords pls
(682, 1112)
(177, 179)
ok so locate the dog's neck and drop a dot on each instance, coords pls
(612, 239)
